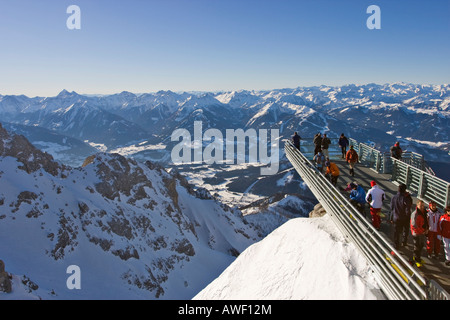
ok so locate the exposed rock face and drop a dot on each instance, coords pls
(150, 222)
(33, 159)
(318, 211)
(5, 281)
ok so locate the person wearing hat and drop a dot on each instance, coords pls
(396, 151)
(433, 244)
(332, 172)
(444, 233)
(375, 196)
(352, 158)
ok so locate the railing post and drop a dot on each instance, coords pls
(447, 196)
(420, 187)
(407, 176)
(378, 162)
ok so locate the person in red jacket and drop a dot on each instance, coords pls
(419, 230)
(444, 233)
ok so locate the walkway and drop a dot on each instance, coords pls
(433, 268)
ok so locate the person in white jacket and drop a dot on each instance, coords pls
(375, 197)
(433, 243)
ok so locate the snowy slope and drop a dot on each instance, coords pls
(135, 230)
(302, 259)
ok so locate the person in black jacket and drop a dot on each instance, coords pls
(296, 140)
(317, 143)
(401, 205)
(343, 143)
(325, 144)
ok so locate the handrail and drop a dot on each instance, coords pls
(427, 186)
(371, 157)
(396, 277)
(307, 147)
(412, 170)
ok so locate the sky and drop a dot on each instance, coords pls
(218, 45)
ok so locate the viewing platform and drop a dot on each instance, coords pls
(397, 277)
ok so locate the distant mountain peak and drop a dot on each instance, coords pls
(65, 93)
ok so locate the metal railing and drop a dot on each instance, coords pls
(396, 277)
(411, 170)
(417, 161)
(371, 157)
(427, 186)
(307, 147)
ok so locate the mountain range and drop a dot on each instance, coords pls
(136, 230)
(141, 124)
(72, 126)
(88, 180)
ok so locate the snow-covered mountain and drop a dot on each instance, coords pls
(417, 115)
(135, 230)
(72, 126)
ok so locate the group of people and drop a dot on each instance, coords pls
(428, 226)
(374, 197)
(321, 155)
(331, 172)
(321, 145)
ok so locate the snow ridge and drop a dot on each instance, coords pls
(135, 230)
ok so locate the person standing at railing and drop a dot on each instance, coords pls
(296, 140)
(317, 143)
(319, 160)
(352, 158)
(401, 205)
(433, 244)
(396, 151)
(325, 144)
(375, 196)
(343, 143)
(419, 230)
(444, 233)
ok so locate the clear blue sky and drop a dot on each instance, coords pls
(210, 45)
